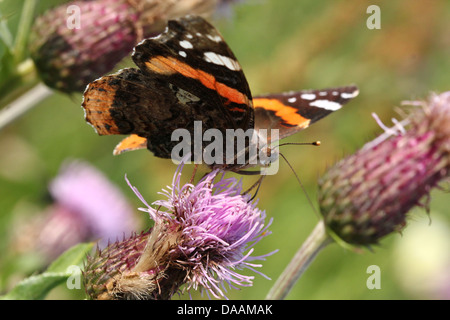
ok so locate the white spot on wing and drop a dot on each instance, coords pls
(326, 104)
(182, 53)
(222, 60)
(308, 96)
(186, 44)
(215, 38)
(347, 95)
(292, 100)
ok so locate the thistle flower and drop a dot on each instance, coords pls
(202, 235)
(69, 50)
(368, 194)
(76, 43)
(86, 206)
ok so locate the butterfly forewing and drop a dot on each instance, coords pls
(291, 112)
(186, 74)
(192, 55)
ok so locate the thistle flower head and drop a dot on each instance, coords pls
(203, 234)
(77, 42)
(368, 194)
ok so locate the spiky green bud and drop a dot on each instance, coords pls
(105, 267)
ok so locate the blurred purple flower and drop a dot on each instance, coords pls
(87, 206)
(86, 192)
(225, 7)
(202, 235)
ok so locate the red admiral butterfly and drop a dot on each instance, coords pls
(188, 74)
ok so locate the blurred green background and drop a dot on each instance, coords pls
(282, 45)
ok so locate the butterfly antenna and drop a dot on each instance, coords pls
(315, 143)
(301, 184)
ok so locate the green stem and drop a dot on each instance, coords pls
(5, 35)
(317, 240)
(22, 79)
(26, 20)
(24, 103)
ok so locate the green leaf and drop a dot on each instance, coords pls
(6, 46)
(73, 256)
(5, 34)
(37, 287)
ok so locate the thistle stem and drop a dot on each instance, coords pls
(317, 240)
(24, 103)
(26, 20)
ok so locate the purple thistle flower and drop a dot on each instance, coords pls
(86, 206)
(368, 194)
(203, 234)
(218, 225)
(88, 194)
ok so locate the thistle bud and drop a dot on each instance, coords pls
(104, 268)
(72, 49)
(368, 194)
(78, 42)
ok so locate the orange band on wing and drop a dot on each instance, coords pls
(97, 103)
(288, 114)
(171, 65)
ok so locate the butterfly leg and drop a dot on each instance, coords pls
(256, 185)
(193, 173)
(248, 173)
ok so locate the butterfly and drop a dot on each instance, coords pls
(188, 79)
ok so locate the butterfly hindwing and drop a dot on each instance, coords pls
(130, 143)
(129, 102)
